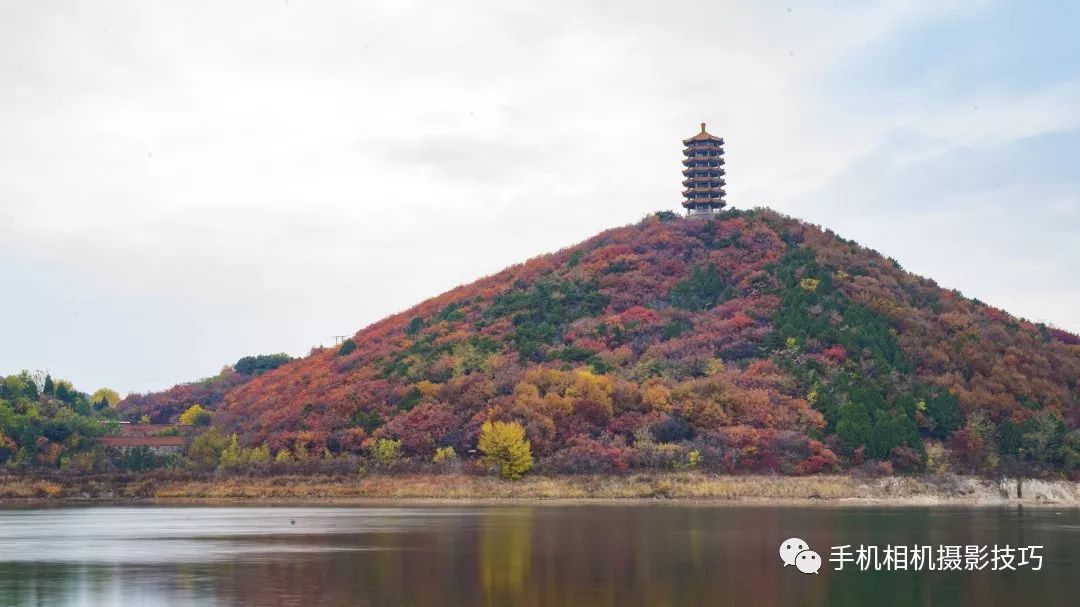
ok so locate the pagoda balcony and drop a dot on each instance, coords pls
(703, 193)
(711, 151)
(700, 206)
(696, 172)
(698, 185)
(716, 160)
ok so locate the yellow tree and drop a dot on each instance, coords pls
(504, 445)
(110, 396)
(195, 416)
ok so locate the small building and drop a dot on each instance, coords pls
(158, 445)
(158, 438)
(704, 174)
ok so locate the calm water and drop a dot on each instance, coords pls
(515, 556)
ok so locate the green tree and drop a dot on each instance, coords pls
(258, 455)
(232, 455)
(853, 427)
(347, 347)
(207, 447)
(1043, 438)
(944, 409)
(1069, 451)
(890, 431)
(257, 365)
(703, 290)
(504, 445)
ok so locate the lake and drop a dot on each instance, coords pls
(610, 555)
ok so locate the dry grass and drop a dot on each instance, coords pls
(464, 487)
(30, 489)
(455, 487)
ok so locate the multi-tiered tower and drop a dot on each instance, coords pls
(704, 173)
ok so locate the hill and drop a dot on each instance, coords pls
(752, 342)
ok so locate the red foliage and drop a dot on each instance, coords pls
(584, 455)
(1064, 336)
(968, 446)
(836, 353)
(741, 321)
(422, 429)
(905, 459)
(822, 459)
(639, 315)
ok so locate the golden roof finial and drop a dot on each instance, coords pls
(702, 127)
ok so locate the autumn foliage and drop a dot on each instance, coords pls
(752, 342)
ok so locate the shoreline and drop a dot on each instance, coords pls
(460, 489)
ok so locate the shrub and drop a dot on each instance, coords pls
(368, 420)
(584, 455)
(676, 327)
(257, 365)
(444, 455)
(446, 459)
(207, 447)
(504, 445)
(972, 444)
(386, 451)
(694, 460)
(196, 416)
(650, 454)
(423, 428)
(906, 459)
(936, 457)
(347, 348)
(673, 429)
(47, 489)
(822, 458)
(703, 290)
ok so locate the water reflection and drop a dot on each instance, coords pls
(528, 556)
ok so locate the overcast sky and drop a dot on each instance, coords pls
(186, 183)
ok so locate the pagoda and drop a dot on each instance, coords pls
(704, 174)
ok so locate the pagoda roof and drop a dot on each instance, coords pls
(703, 136)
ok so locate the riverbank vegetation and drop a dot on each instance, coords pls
(330, 488)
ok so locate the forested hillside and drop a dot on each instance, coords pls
(48, 423)
(753, 342)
